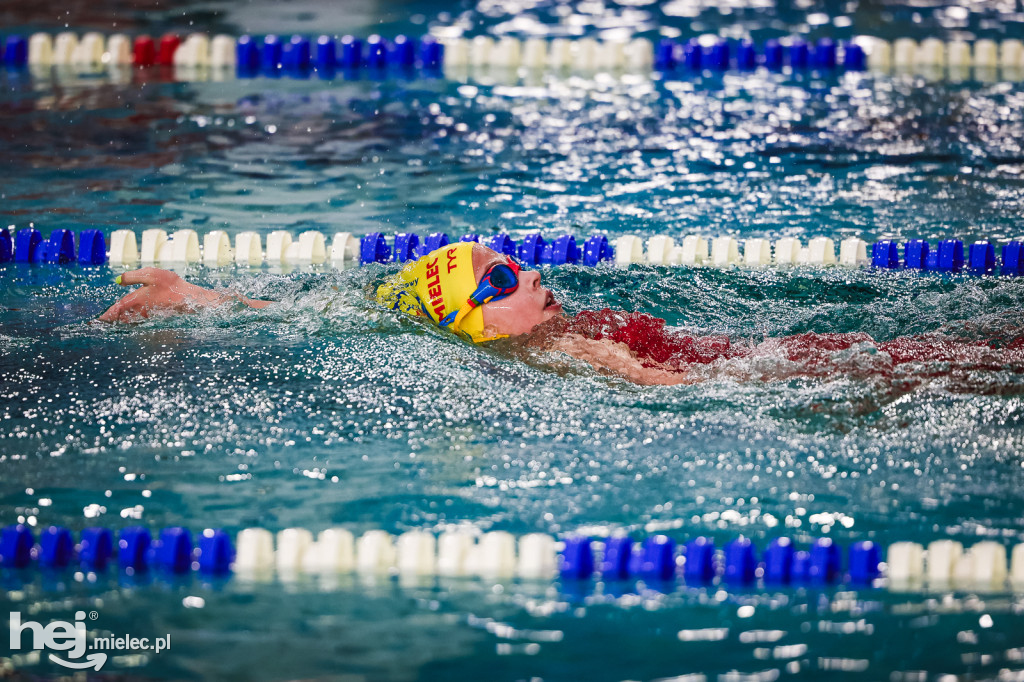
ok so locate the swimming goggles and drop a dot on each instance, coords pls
(500, 280)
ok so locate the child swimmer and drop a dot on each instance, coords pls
(484, 296)
(439, 285)
(467, 288)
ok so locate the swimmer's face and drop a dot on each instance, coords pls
(524, 309)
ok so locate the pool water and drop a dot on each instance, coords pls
(326, 410)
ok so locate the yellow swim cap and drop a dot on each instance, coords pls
(433, 286)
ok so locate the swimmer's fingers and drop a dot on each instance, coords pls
(145, 276)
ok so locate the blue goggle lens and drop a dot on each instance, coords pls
(503, 277)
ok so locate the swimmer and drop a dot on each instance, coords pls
(466, 288)
(483, 296)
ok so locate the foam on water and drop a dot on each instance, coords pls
(286, 388)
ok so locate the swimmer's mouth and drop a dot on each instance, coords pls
(551, 304)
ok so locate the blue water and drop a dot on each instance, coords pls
(324, 410)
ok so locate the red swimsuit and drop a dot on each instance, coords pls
(653, 344)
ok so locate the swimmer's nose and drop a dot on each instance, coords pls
(530, 278)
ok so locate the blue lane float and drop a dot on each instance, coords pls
(915, 254)
(15, 51)
(402, 51)
(865, 558)
(692, 55)
(92, 248)
(854, 58)
(434, 240)
(6, 246)
(740, 561)
(351, 52)
(373, 248)
(597, 249)
(778, 561)
(616, 557)
(885, 254)
(800, 571)
(302, 55)
(96, 548)
(56, 547)
(773, 55)
(531, 249)
(295, 55)
(700, 560)
(57, 249)
(826, 561)
(665, 54)
(951, 255)
(656, 559)
(577, 559)
(982, 257)
(325, 57)
(16, 544)
(825, 54)
(26, 242)
(502, 243)
(799, 54)
(948, 256)
(271, 54)
(1013, 259)
(407, 246)
(174, 550)
(133, 546)
(744, 55)
(215, 552)
(376, 52)
(561, 251)
(431, 52)
(247, 57)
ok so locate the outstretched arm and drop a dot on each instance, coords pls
(165, 293)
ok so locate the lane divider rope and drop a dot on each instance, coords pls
(300, 55)
(253, 553)
(215, 250)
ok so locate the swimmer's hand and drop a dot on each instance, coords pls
(165, 293)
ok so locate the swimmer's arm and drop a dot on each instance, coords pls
(164, 292)
(616, 357)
